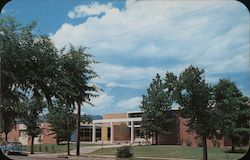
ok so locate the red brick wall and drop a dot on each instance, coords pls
(192, 137)
(13, 135)
(48, 138)
(121, 133)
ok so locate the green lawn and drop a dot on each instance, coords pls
(174, 151)
(53, 148)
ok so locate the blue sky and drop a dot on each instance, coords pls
(134, 40)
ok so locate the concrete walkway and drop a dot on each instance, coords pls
(91, 149)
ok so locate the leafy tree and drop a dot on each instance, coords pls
(31, 63)
(77, 71)
(30, 110)
(62, 121)
(232, 111)
(10, 96)
(156, 115)
(8, 121)
(27, 64)
(194, 96)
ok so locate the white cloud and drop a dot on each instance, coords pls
(174, 33)
(124, 76)
(212, 35)
(129, 104)
(101, 103)
(94, 9)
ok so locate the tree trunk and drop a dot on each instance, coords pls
(233, 148)
(233, 144)
(57, 140)
(78, 129)
(204, 140)
(68, 149)
(32, 145)
(156, 138)
(6, 136)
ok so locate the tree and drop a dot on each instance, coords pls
(156, 114)
(31, 108)
(10, 96)
(194, 96)
(62, 121)
(27, 62)
(8, 121)
(31, 63)
(232, 111)
(77, 72)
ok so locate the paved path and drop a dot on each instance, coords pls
(91, 149)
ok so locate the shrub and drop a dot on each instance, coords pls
(124, 152)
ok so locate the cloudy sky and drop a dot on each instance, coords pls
(134, 40)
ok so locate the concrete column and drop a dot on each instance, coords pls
(132, 132)
(111, 133)
(93, 133)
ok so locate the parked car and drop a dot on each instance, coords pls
(12, 148)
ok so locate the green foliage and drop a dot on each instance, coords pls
(75, 67)
(156, 105)
(62, 120)
(233, 112)
(124, 152)
(31, 65)
(30, 111)
(194, 96)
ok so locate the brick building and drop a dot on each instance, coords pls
(117, 128)
(120, 127)
(19, 134)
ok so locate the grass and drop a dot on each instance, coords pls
(53, 148)
(175, 151)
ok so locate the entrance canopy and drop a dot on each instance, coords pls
(111, 121)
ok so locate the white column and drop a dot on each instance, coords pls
(111, 133)
(93, 133)
(132, 132)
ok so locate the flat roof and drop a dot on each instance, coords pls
(136, 119)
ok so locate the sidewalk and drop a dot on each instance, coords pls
(91, 149)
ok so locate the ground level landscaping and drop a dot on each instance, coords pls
(175, 151)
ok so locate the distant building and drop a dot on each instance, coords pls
(19, 134)
(118, 128)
